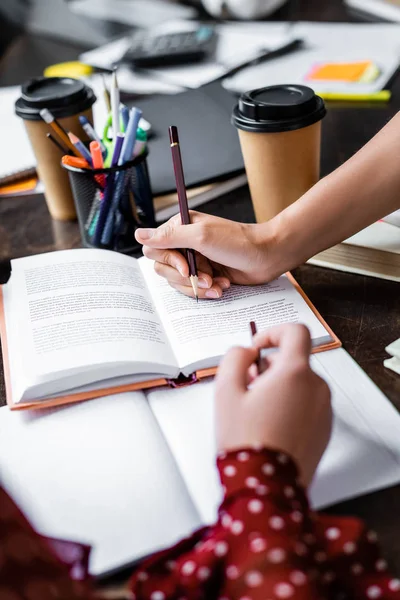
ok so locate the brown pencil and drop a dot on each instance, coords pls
(59, 130)
(253, 328)
(183, 204)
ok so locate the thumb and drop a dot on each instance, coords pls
(170, 235)
(232, 375)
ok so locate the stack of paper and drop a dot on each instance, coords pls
(323, 42)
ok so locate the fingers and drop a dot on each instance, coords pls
(169, 235)
(233, 372)
(177, 260)
(173, 258)
(212, 293)
(174, 278)
(293, 341)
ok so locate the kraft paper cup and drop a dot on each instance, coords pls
(66, 99)
(280, 136)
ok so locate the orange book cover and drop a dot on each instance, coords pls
(88, 395)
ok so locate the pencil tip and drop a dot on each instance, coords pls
(72, 137)
(194, 280)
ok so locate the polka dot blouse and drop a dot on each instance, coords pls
(266, 545)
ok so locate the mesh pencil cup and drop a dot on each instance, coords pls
(111, 203)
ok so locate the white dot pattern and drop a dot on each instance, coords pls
(243, 456)
(255, 506)
(357, 569)
(289, 491)
(203, 573)
(374, 591)
(276, 523)
(298, 578)
(372, 536)
(394, 585)
(237, 527)
(258, 544)
(221, 549)
(284, 590)
(252, 482)
(381, 565)
(332, 533)
(276, 555)
(296, 516)
(349, 548)
(253, 579)
(268, 469)
(188, 567)
(230, 471)
(232, 572)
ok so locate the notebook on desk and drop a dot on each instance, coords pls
(133, 473)
(374, 251)
(209, 143)
(17, 158)
(78, 324)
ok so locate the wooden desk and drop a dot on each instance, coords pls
(364, 312)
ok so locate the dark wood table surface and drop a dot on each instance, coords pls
(364, 312)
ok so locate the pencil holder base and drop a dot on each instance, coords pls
(112, 203)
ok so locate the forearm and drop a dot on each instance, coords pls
(361, 191)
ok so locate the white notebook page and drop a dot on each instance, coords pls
(16, 154)
(363, 454)
(97, 472)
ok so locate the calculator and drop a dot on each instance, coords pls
(171, 49)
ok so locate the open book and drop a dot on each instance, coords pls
(132, 473)
(79, 324)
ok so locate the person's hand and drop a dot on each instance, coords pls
(286, 408)
(227, 252)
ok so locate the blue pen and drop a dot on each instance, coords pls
(80, 146)
(105, 203)
(125, 156)
(91, 132)
(124, 116)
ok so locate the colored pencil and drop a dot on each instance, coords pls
(183, 204)
(59, 130)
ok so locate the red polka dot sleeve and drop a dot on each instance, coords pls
(268, 544)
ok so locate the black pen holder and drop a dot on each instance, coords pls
(112, 203)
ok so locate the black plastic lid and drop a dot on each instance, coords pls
(278, 108)
(63, 96)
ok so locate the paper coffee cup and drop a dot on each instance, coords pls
(66, 99)
(280, 136)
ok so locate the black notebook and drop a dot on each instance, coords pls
(209, 143)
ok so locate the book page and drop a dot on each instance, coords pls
(205, 330)
(109, 480)
(366, 428)
(76, 317)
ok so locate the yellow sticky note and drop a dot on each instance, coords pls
(352, 72)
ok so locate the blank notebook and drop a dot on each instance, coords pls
(131, 474)
(17, 158)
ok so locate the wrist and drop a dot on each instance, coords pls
(271, 241)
